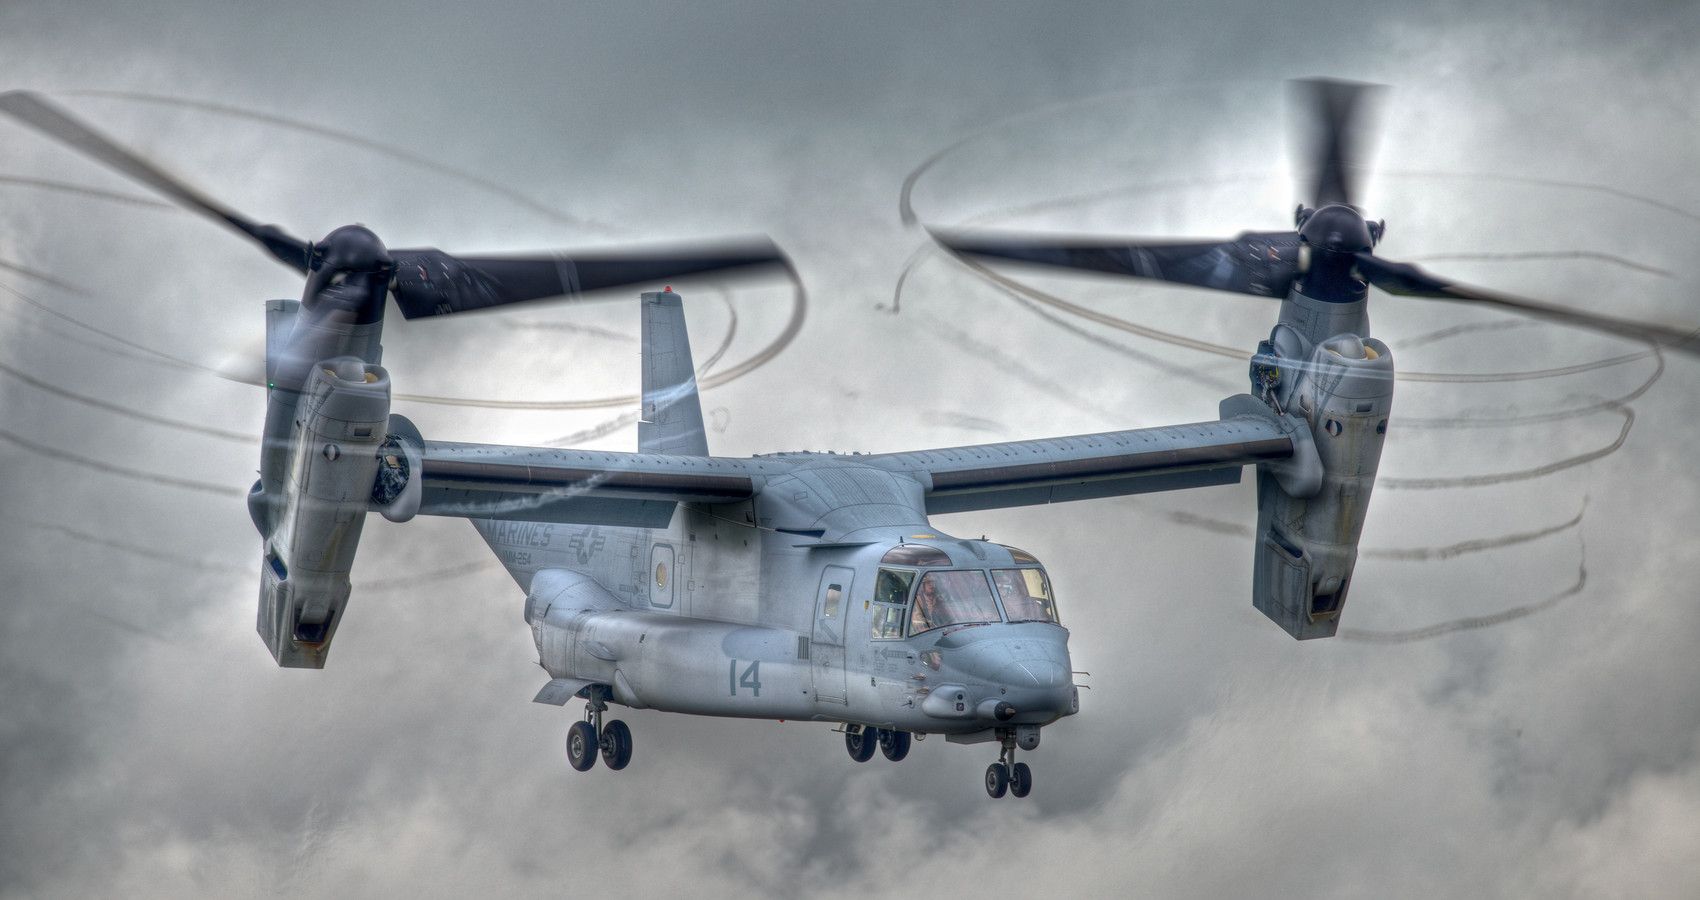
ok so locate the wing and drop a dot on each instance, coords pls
(589, 487)
(1025, 473)
(585, 487)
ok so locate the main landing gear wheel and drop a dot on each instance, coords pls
(616, 745)
(861, 743)
(588, 738)
(581, 746)
(1020, 780)
(894, 744)
(997, 779)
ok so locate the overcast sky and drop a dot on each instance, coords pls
(1516, 711)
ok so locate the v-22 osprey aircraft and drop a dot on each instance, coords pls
(796, 586)
(801, 586)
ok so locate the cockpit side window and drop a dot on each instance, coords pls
(891, 596)
(892, 586)
(1026, 595)
(952, 598)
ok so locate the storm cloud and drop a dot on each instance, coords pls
(149, 746)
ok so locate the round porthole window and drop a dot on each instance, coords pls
(661, 575)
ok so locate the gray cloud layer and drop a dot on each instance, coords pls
(148, 747)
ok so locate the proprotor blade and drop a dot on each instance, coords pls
(1334, 142)
(1263, 264)
(35, 111)
(1410, 281)
(429, 282)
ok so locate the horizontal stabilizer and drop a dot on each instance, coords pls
(559, 691)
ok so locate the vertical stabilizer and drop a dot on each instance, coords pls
(672, 414)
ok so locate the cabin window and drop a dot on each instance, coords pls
(915, 555)
(834, 596)
(1026, 595)
(952, 598)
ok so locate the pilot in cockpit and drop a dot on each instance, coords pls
(1017, 602)
(928, 612)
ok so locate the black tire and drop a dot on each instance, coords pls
(894, 744)
(616, 745)
(1021, 780)
(581, 746)
(997, 779)
(861, 743)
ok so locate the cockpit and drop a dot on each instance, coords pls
(920, 588)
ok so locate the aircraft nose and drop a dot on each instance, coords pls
(1033, 673)
(1019, 663)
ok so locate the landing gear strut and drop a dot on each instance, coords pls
(1006, 774)
(589, 738)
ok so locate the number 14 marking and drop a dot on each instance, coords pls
(750, 679)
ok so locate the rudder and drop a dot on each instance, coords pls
(672, 412)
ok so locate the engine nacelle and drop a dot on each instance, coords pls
(340, 424)
(1308, 526)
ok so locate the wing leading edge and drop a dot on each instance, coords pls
(586, 487)
(1113, 463)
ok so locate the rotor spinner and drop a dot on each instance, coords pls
(1330, 239)
(348, 270)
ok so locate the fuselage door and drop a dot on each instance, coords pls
(661, 576)
(832, 607)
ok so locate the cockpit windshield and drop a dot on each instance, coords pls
(1026, 595)
(952, 598)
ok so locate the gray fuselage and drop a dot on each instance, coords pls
(719, 614)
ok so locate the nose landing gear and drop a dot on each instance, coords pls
(1006, 774)
(589, 738)
(1020, 780)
